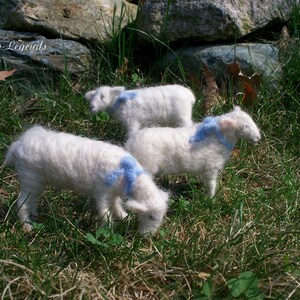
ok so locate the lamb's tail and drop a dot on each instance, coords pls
(8, 160)
(193, 99)
(9, 157)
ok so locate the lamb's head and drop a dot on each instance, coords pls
(244, 126)
(150, 212)
(103, 97)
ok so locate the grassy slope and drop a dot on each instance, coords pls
(251, 225)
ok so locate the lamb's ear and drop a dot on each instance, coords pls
(90, 95)
(226, 123)
(117, 90)
(237, 108)
(135, 206)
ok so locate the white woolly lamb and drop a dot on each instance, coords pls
(202, 149)
(169, 105)
(100, 170)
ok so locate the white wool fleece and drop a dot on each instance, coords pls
(202, 149)
(168, 105)
(97, 169)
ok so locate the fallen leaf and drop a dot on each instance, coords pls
(233, 70)
(123, 70)
(254, 80)
(212, 94)
(5, 74)
(250, 84)
(210, 81)
(250, 93)
(203, 275)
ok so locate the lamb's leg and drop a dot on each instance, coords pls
(210, 183)
(26, 204)
(104, 209)
(211, 187)
(185, 122)
(133, 127)
(118, 210)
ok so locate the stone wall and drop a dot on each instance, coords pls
(38, 35)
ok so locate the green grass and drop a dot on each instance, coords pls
(243, 243)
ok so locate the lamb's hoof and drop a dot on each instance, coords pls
(27, 227)
(123, 216)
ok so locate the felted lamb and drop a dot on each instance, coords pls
(202, 149)
(100, 170)
(169, 105)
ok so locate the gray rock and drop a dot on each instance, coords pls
(206, 20)
(34, 56)
(6, 7)
(260, 58)
(93, 20)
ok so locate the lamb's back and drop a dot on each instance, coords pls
(169, 151)
(63, 157)
(159, 146)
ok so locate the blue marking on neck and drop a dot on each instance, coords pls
(210, 126)
(123, 98)
(129, 170)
